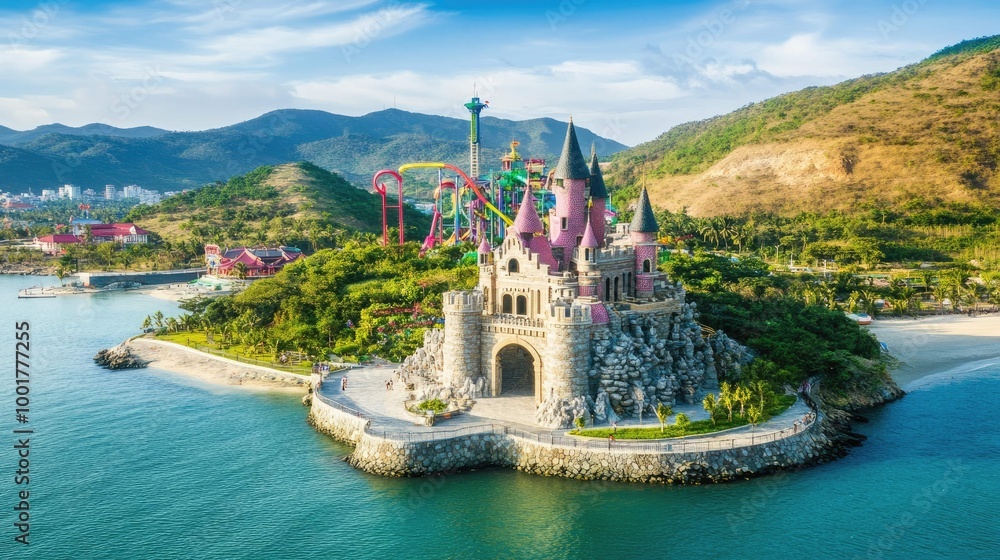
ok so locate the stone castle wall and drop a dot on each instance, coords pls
(497, 447)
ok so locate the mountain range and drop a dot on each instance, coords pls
(926, 135)
(355, 147)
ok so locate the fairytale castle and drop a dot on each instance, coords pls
(577, 317)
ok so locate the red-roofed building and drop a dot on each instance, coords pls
(17, 205)
(56, 244)
(255, 263)
(123, 234)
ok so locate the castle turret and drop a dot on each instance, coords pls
(598, 196)
(572, 178)
(589, 276)
(529, 226)
(463, 313)
(567, 354)
(643, 230)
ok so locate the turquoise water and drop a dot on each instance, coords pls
(147, 464)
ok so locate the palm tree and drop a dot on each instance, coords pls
(662, 413)
(241, 270)
(61, 273)
(711, 405)
(158, 319)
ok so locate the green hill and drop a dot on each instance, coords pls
(354, 147)
(297, 204)
(925, 135)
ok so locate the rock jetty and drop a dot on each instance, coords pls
(118, 357)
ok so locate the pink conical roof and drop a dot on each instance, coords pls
(539, 245)
(589, 238)
(527, 220)
(484, 247)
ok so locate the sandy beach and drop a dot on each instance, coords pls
(936, 344)
(213, 369)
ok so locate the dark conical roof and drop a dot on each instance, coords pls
(644, 221)
(571, 163)
(597, 187)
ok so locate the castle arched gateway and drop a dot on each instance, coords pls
(516, 370)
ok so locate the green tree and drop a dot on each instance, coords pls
(711, 405)
(754, 414)
(682, 422)
(662, 413)
(106, 251)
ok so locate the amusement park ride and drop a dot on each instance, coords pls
(474, 206)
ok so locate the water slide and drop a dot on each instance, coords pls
(431, 239)
(472, 184)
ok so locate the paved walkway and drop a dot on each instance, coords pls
(367, 393)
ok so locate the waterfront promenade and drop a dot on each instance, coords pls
(367, 396)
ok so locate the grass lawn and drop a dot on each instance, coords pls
(237, 352)
(781, 404)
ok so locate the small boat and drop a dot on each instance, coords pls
(32, 296)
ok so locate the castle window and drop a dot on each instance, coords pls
(607, 289)
(508, 304)
(482, 259)
(631, 285)
(586, 254)
(616, 288)
(647, 265)
(512, 266)
(522, 305)
(564, 222)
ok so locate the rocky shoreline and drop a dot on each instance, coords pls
(23, 270)
(119, 357)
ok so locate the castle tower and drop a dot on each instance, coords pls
(643, 230)
(567, 353)
(598, 197)
(487, 278)
(572, 176)
(585, 256)
(463, 313)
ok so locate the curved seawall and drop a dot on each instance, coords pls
(430, 453)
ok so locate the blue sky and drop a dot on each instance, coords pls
(627, 70)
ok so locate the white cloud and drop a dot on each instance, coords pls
(358, 33)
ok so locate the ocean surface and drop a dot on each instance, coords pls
(146, 464)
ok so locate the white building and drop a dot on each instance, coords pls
(71, 192)
(131, 191)
(110, 193)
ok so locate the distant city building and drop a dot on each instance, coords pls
(71, 192)
(131, 191)
(49, 194)
(16, 204)
(110, 193)
(149, 197)
(90, 193)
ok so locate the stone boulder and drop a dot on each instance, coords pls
(119, 357)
